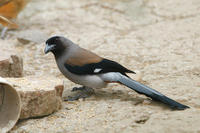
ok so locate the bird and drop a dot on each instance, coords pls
(9, 10)
(86, 68)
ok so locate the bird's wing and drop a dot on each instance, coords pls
(142, 89)
(103, 66)
(83, 57)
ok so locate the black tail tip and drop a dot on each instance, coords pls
(180, 107)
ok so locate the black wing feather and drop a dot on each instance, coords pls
(105, 65)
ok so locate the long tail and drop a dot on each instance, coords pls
(142, 89)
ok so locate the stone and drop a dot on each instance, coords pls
(10, 65)
(59, 90)
(28, 36)
(39, 97)
(142, 119)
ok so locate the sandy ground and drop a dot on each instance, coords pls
(159, 38)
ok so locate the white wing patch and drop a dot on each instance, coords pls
(97, 70)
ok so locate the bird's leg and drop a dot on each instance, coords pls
(3, 32)
(78, 88)
(82, 92)
(76, 97)
(88, 90)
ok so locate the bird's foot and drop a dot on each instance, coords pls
(76, 97)
(80, 92)
(78, 88)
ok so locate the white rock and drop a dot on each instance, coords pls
(38, 95)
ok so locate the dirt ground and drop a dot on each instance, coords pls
(161, 39)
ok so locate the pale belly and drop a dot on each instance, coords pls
(93, 81)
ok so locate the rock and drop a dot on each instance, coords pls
(59, 90)
(142, 119)
(39, 97)
(10, 65)
(28, 36)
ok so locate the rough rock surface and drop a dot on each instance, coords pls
(35, 36)
(11, 65)
(38, 96)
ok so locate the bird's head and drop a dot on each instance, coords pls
(57, 45)
(54, 44)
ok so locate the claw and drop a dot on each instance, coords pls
(82, 92)
(78, 88)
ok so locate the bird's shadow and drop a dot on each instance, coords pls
(124, 95)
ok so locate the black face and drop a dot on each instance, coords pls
(54, 45)
(53, 40)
